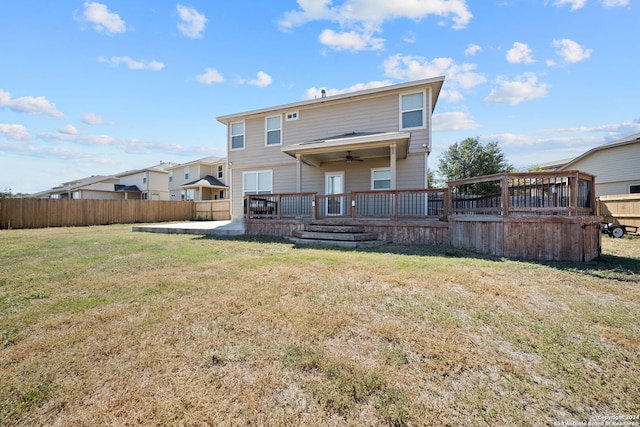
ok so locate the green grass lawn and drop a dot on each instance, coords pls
(103, 326)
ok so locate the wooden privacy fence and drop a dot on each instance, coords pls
(620, 209)
(211, 210)
(42, 213)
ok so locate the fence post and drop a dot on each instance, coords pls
(506, 203)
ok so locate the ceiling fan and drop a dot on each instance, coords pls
(349, 158)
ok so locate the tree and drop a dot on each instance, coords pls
(468, 159)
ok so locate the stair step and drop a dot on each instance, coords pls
(323, 228)
(343, 237)
(337, 222)
(337, 243)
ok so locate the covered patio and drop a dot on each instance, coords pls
(206, 188)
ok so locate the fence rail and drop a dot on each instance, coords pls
(42, 213)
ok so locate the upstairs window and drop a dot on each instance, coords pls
(220, 170)
(412, 110)
(144, 178)
(237, 135)
(186, 172)
(170, 176)
(273, 127)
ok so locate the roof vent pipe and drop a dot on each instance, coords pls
(324, 93)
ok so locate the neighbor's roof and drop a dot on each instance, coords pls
(632, 139)
(436, 82)
(209, 160)
(120, 187)
(207, 181)
(161, 168)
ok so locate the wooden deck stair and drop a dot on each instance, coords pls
(335, 233)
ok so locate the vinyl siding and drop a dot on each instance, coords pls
(615, 168)
(381, 114)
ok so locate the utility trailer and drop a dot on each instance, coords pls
(618, 230)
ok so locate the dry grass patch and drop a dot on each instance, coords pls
(102, 326)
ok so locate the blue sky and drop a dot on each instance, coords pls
(97, 88)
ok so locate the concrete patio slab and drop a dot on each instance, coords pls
(203, 228)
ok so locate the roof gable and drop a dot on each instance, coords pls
(435, 83)
(632, 139)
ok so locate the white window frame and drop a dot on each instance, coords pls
(633, 185)
(291, 116)
(144, 177)
(232, 135)
(257, 173)
(267, 130)
(373, 180)
(170, 176)
(220, 171)
(424, 109)
(187, 172)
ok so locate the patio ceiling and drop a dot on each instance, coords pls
(362, 145)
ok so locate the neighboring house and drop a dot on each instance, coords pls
(616, 166)
(151, 183)
(142, 184)
(202, 179)
(368, 140)
(93, 187)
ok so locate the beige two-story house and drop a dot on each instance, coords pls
(374, 139)
(202, 179)
(150, 182)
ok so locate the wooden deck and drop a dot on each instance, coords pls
(538, 216)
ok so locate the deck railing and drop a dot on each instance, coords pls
(384, 204)
(531, 193)
(568, 193)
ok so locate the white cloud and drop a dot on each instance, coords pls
(520, 53)
(524, 88)
(472, 49)
(351, 40)
(315, 92)
(616, 130)
(92, 119)
(192, 22)
(575, 4)
(69, 130)
(103, 20)
(579, 4)
(132, 64)
(614, 3)
(15, 132)
(453, 121)
(458, 76)
(410, 37)
(210, 75)
(29, 105)
(263, 80)
(366, 17)
(571, 51)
